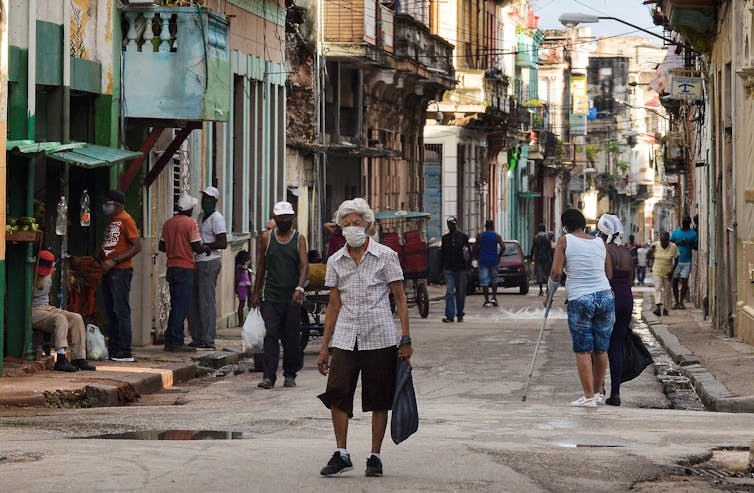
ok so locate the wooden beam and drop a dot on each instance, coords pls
(166, 155)
(135, 165)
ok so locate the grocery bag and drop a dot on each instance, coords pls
(405, 418)
(253, 330)
(96, 349)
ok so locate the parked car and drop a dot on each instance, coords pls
(511, 270)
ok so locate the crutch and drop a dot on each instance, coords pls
(552, 286)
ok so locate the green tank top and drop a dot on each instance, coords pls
(281, 269)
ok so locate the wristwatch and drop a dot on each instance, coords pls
(405, 341)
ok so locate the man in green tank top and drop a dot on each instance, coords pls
(281, 272)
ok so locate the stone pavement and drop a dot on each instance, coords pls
(721, 368)
(114, 383)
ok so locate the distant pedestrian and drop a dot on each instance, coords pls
(203, 313)
(242, 283)
(119, 246)
(665, 256)
(686, 240)
(633, 248)
(335, 239)
(180, 240)
(621, 279)
(642, 254)
(591, 305)
(454, 256)
(282, 269)
(541, 254)
(489, 247)
(361, 330)
(62, 324)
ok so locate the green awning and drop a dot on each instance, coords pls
(529, 195)
(94, 156)
(76, 153)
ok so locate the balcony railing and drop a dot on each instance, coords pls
(415, 41)
(176, 63)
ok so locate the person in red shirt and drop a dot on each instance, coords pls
(180, 240)
(119, 246)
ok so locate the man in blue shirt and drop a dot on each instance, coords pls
(489, 247)
(687, 240)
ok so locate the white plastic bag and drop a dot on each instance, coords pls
(253, 330)
(96, 349)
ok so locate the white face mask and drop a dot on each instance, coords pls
(355, 236)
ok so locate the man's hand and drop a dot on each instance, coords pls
(298, 297)
(254, 300)
(405, 351)
(107, 265)
(323, 360)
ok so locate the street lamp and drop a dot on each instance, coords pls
(573, 19)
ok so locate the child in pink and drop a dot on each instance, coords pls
(242, 282)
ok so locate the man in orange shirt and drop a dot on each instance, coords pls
(121, 243)
(180, 240)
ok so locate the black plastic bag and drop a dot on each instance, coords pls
(636, 357)
(405, 419)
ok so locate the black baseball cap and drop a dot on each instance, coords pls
(115, 196)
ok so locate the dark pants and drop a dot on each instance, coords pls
(641, 273)
(283, 324)
(455, 292)
(181, 283)
(116, 289)
(202, 316)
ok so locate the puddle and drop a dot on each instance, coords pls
(174, 435)
(586, 445)
(676, 387)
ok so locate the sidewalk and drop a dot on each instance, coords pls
(115, 383)
(721, 368)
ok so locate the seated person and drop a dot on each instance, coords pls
(58, 322)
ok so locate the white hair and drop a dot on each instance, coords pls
(354, 206)
(612, 227)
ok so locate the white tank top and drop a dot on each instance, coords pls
(585, 266)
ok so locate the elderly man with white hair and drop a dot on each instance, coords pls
(359, 327)
(282, 268)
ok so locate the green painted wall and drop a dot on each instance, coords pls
(19, 124)
(86, 75)
(49, 56)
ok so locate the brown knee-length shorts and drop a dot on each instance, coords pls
(377, 368)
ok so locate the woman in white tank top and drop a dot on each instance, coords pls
(591, 305)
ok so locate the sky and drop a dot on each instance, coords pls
(628, 10)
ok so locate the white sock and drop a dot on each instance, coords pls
(376, 455)
(343, 452)
(61, 350)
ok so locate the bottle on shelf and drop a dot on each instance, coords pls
(60, 221)
(85, 217)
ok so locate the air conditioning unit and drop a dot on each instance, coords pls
(530, 167)
(524, 184)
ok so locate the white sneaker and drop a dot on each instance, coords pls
(584, 402)
(599, 398)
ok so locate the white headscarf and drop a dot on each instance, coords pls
(612, 227)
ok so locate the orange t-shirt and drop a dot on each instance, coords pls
(178, 233)
(120, 230)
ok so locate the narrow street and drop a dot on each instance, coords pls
(475, 433)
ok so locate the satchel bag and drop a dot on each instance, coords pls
(405, 418)
(636, 357)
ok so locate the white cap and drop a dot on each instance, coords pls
(186, 202)
(212, 192)
(282, 209)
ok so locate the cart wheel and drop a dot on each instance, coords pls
(422, 300)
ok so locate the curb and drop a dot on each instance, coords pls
(127, 388)
(714, 394)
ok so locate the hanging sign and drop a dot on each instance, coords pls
(689, 88)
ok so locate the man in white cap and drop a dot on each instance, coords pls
(282, 270)
(203, 313)
(180, 240)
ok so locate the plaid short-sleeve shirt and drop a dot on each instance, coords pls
(365, 318)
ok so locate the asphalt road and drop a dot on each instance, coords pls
(475, 433)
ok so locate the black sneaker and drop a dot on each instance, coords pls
(81, 364)
(122, 357)
(205, 347)
(289, 382)
(494, 302)
(180, 349)
(62, 364)
(460, 320)
(448, 320)
(337, 465)
(665, 313)
(374, 466)
(266, 384)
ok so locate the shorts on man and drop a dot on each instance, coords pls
(487, 275)
(682, 270)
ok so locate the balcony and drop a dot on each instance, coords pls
(695, 19)
(176, 63)
(414, 41)
(358, 28)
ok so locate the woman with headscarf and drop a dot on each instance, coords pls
(621, 279)
(591, 307)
